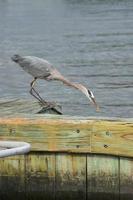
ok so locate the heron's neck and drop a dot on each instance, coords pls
(68, 83)
(77, 86)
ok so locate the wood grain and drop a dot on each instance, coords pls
(126, 178)
(112, 138)
(48, 135)
(40, 176)
(102, 178)
(43, 175)
(71, 135)
(70, 177)
(12, 177)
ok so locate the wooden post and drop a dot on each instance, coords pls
(102, 177)
(12, 177)
(40, 176)
(126, 178)
(70, 177)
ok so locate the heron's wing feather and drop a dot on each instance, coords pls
(35, 66)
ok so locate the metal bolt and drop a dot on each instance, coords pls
(105, 146)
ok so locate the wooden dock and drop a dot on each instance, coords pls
(71, 158)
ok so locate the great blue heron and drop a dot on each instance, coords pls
(42, 69)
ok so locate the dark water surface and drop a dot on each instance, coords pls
(90, 41)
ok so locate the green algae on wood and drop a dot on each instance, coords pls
(70, 176)
(40, 176)
(66, 175)
(102, 177)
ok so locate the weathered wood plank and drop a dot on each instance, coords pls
(40, 176)
(126, 179)
(70, 177)
(48, 135)
(12, 178)
(102, 177)
(112, 137)
(71, 135)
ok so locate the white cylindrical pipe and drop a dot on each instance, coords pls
(13, 148)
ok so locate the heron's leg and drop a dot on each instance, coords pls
(46, 105)
(37, 96)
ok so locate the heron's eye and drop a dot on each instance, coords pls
(89, 92)
(15, 58)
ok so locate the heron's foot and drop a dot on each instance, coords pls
(50, 107)
(49, 104)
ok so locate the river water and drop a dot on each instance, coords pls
(89, 41)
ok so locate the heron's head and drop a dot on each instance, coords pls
(92, 99)
(89, 95)
(16, 58)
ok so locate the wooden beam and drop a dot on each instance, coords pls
(112, 137)
(48, 135)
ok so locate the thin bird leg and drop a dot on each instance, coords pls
(45, 104)
(37, 96)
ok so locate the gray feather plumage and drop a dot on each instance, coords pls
(35, 66)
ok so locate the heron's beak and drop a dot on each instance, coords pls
(92, 99)
(95, 104)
